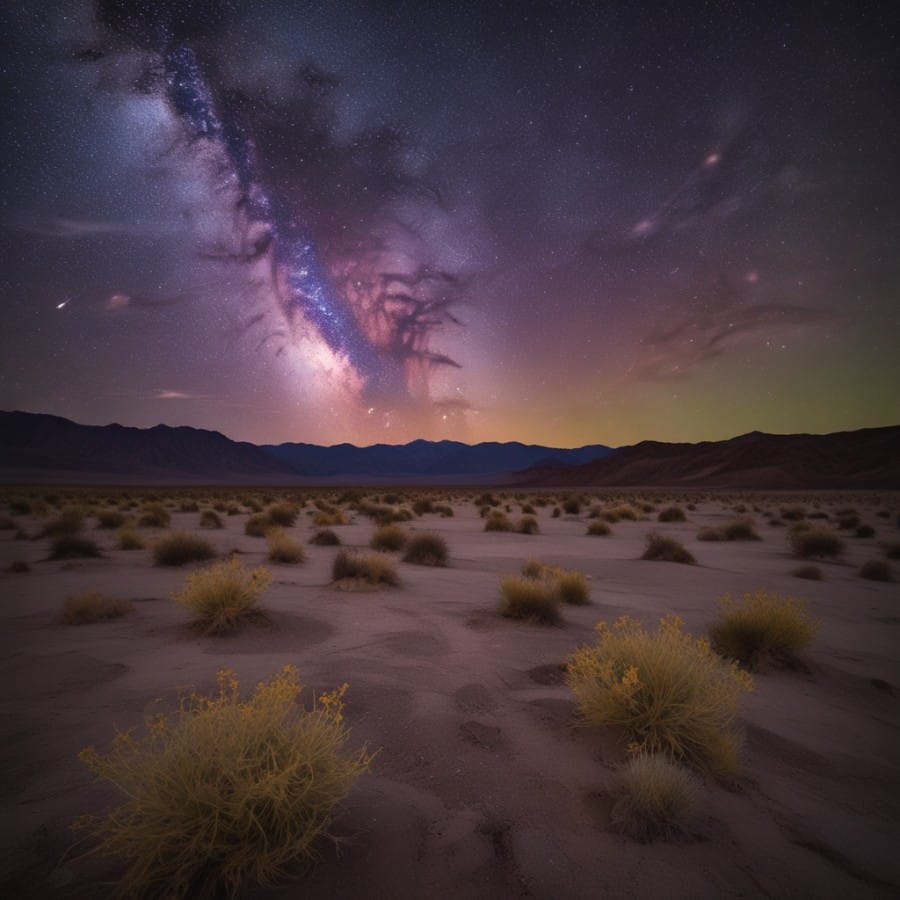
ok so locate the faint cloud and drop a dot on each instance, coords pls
(60, 227)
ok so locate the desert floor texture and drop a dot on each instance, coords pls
(485, 784)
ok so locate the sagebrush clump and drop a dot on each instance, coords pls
(179, 548)
(532, 599)
(426, 550)
(389, 538)
(227, 792)
(667, 549)
(658, 799)
(224, 596)
(815, 542)
(370, 568)
(762, 627)
(667, 692)
(92, 606)
(283, 548)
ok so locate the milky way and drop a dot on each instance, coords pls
(559, 223)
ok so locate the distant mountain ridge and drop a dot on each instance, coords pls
(866, 458)
(35, 446)
(427, 457)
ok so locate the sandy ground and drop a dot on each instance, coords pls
(485, 784)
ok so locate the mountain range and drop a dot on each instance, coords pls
(44, 448)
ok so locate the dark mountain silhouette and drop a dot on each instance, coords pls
(435, 458)
(867, 458)
(36, 446)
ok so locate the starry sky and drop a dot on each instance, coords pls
(560, 223)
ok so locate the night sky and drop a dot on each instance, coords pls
(560, 223)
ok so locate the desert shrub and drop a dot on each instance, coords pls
(189, 506)
(622, 511)
(328, 518)
(422, 506)
(708, 533)
(388, 538)
(325, 537)
(110, 518)
(444, 510)
(556, 512)
(497, 521)
(527, 509)
(7, 523)
(571, 586)
(762, 627)
(257, 525)
(847, 521)
(17, 566)
(811, 573)
(92, 606)
(815, 542)
(892, 550)
(486, 499)
(224, 595)
(740, 530)
(372, 568)
(671, 514)
(793, 513)
(19, 506)
(282, 515)
(209, 518)
(535, 600)
(283, 548)
(228, 791)
(534, 568)
(426, 550)
(666, 549)
(527, 525)
(73, 546)
(876, 570)
(598, 528)
(128, 539)
(865, 531)
(154, 515)
(658, 799)
(571, 506)
(178, 548)
(668, 692)
(68, 522)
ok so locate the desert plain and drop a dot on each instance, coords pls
(485, 782)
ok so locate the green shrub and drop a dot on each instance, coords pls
(762, 627)
(815, 542)
(671, 514)
(73, 547)
(325, 537)
(283, 548)
(530, 599)
(224, 596)
(389, 538)
(228, 792)
(426, 550)
(210, 519)
(658, 799)
(154, 515)
(666, 549)
(178, 548)
(598, 528)
(92, 606)
(811, 573)
(668, 692)
(572, 587)
(371, 568)
(876, 570)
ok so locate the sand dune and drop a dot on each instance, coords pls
(485, 784)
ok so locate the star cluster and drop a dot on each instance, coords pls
(558, 223)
